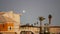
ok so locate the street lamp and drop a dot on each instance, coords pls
(49, 17)
(24, 11)
(41, 19)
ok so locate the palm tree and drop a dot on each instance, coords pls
(41, 19)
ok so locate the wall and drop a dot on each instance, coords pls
(32, 29)
(36, 30)
(55, 30)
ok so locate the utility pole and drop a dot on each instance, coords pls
(49, 17)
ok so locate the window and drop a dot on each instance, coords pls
(3, 25)
(26, 32)
(9, 27)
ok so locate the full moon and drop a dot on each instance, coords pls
(24, 11)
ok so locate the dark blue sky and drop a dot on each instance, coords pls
(33, 8)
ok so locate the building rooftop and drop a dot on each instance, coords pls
(38, 26)
(4, 19)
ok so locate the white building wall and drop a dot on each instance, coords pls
(35, 30)
(15, 17)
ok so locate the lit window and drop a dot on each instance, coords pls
(9, 27)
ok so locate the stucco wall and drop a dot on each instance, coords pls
(36, 30)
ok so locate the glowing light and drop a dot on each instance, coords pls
(24, 11)
(46, 31)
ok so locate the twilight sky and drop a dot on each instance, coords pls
(34, 9)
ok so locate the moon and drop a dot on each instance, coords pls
(24, 11)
